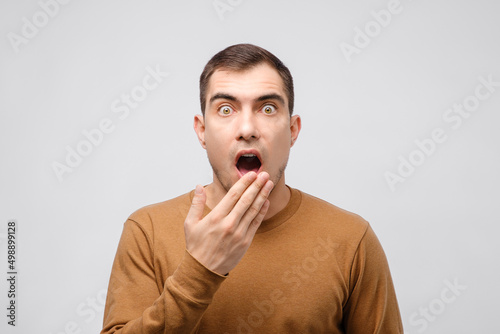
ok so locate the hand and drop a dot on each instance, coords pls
(221, 238)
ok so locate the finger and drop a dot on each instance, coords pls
(248, 199)
(255, 210)
(255, 224)
(197, 205)
(233, 195)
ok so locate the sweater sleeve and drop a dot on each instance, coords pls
(136, 304)
(372, 306)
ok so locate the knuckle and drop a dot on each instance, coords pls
(246, 201)
(188, 222)
(266, 191)
(253, 211)
(260, 183)
(256, 222)
(228, 228)
(239, 237)
(245, 243)
(233, 194)
(259, 217)
(215, 216)
(226, 233)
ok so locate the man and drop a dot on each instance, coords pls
(247, 253)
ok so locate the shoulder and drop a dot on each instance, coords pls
(342, 233)
(325, 211)
(318, 218)
(160, 216)
(179, 203)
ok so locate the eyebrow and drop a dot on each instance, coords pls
(225, 96)
(222, 96)
(273, 96)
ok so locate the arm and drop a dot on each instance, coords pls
(372, 306)
(214, 245)
(135, 304)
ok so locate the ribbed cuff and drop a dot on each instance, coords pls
(195, 281)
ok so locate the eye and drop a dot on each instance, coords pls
(268, 109)
(225, 110)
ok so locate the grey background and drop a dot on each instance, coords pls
(359, 116)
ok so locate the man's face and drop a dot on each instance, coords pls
(247, 125)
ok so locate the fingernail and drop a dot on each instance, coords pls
(198, 190)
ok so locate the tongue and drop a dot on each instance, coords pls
(248, 164)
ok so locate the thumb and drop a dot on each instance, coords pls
(198, 204)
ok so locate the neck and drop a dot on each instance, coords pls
(278, 199)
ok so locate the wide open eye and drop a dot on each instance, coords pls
(269, 109)
(225, 110)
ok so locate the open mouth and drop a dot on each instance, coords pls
(248, 163)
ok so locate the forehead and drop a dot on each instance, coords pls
(246, 84)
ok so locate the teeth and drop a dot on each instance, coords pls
(248, 155)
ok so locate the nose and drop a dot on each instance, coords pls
(247, 126)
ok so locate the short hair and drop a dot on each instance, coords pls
(241, 57)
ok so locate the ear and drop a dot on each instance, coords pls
(295, 126)
(199, 128)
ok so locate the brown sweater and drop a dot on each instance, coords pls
(311, 268)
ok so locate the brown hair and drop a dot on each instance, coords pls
(242, 57)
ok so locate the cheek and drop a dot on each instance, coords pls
(281, 146)
(211, 135)
(216, 146)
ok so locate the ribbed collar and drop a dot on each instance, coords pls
(283, 215)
